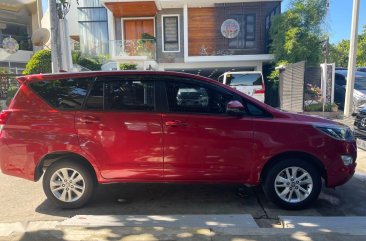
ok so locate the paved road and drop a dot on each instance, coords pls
(22, 200)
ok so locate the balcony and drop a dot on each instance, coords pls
(139, 49)
(22, 55)
(23, 41)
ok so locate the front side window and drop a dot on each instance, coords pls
(65, 94)
(170, 33)
(185, 97)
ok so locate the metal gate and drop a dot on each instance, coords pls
(292, 87)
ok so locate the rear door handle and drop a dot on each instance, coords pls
(175, 123)
(88, 119)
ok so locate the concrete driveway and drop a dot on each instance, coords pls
(22, 200)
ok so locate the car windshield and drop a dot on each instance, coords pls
(244, 79)
(360, 83)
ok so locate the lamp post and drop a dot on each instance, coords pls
(348, 103)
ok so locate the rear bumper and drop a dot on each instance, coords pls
(14, 164)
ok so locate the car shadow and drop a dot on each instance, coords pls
(164, 199)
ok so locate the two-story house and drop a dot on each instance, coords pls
(204, 37)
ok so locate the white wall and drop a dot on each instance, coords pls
(72, 19)
(21, 56)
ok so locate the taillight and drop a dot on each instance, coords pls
(3, 117)
(260, 91)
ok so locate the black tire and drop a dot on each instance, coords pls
(88, 181)
(279, 168)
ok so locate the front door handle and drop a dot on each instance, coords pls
(175, 123)
(88, 119)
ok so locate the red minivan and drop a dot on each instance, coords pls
(81, 129)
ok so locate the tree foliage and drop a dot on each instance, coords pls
(39, 63)
(339, 53)
(296, 34)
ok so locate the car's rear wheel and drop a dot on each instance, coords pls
(68, 184)
(292, 184)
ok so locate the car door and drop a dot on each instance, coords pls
(120, 128)
(202, 142)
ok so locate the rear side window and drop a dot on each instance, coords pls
(243, 79)
(65, 94)
(128, 93)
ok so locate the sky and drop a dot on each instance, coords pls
(339, 18)
(338, 21)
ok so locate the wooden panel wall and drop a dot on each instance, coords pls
(202, 30)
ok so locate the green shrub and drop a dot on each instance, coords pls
(39, 63)
(89, 63)
(127, 66)
(75, 56)
(319, 107)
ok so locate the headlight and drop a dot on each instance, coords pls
(342, 133)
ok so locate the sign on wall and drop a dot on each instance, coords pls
(10, 45)
(230, 28)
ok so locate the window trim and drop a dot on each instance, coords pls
(163, 33)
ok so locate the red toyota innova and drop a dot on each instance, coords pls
(80, 129)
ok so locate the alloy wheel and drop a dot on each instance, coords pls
(293, 184)
(67, 185)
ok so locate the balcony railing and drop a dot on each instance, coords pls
(134, 48)
(24, 42)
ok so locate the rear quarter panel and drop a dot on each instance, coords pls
(33, 129)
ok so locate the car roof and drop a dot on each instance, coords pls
(345, 72)
(243, 72)
(86, 74)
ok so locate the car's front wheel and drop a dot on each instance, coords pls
(292, 184)
(68, 184)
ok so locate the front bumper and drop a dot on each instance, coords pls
(344, 174)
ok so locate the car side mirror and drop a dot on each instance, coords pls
(235, 108)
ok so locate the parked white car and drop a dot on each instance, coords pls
(248, 82)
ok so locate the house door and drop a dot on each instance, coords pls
(133, 30)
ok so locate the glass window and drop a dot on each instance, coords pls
(195, 98)
(171, 34)
(130, 95)
(243, 79)
(340, 80)
(256, 111)
(246, 37)
(360, 83)
(95, 99)
(67, 94)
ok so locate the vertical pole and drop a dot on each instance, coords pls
(348, 103)
(54, 36)
(185, 31)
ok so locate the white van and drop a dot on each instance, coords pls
(248, 82)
